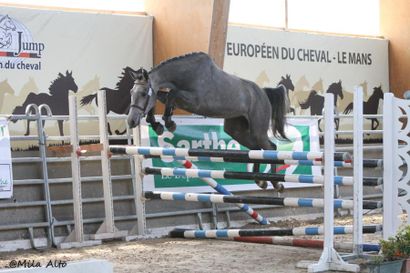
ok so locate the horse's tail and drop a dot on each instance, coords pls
(88, 99)
(280, 106)
(307, 102)
(348, 109)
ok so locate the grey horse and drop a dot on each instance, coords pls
(194, 83)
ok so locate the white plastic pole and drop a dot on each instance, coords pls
(330, 259)
(390, 152)
(78, 232)
(358, 171)
(139, 186)
(108, 224)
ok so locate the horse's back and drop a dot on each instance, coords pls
(217, 93)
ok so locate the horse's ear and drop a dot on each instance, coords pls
(60, 75)
(283, 78)
(287, 76)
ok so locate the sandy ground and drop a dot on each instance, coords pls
(183, 255)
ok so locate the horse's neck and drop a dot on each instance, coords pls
(374, 99)
(59, 91)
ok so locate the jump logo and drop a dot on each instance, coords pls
(16, 40)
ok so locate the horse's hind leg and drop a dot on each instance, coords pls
(238, 129)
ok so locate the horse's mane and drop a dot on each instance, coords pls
(54, 86)
(125, 83)
(188, 55)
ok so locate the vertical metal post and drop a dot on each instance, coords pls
(46, 186)
(358, 171)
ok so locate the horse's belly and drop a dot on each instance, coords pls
(213, 110)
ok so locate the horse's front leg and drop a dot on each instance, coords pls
(169, 110)
(156, 126)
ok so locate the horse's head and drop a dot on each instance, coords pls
(68, 81)
(143, 97)
(287, 82)
(378, 92)
(337, 89)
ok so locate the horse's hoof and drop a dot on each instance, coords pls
(159, 129)
(278, 187)
(262, 184)
(171, 126)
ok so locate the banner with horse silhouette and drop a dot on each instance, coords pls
(309, 65)
(47, 55)
(200, 133)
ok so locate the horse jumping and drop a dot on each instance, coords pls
(194, 83)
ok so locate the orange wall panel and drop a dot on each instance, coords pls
(395, 26)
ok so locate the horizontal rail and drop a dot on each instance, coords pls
(232, 233)
(279, 201)
(295, 178)
(240, 154)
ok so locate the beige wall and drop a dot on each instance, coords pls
(184, 26)
(395, 26)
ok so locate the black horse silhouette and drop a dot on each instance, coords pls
(288, 84)
(118, 99)
(57, 99)
(194, 83)
(316, 101)
(370, 106)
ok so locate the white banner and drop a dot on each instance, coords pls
(46, 55)
(310, 65)
(6, 174)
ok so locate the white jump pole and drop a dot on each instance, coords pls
(390, 164)
(330, 259)
(78, 231)
(107, 229)
(358, 172)
(140, 230)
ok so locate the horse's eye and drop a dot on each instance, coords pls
(144, 94)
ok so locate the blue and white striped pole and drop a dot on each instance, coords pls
(220, 174)
(278, 201)
(240, 154)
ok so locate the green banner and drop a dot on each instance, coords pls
(210, 135)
